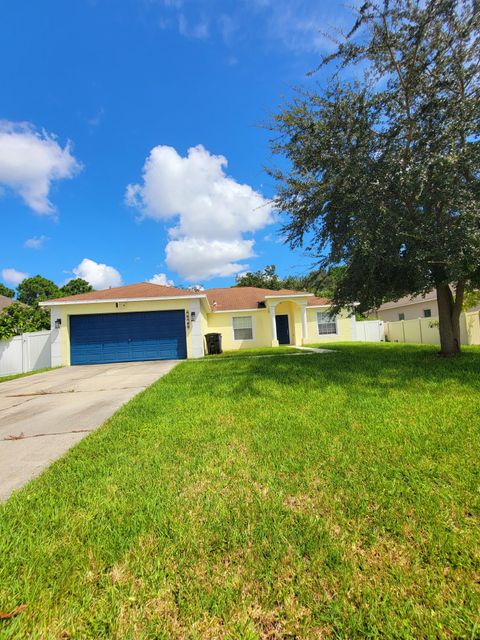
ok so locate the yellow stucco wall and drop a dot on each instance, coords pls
(294, 313)
(221, 322)
(110, 307)
(203, 326)
(344, 331)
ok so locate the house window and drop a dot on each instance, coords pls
(427, 313)
(326, 324)
(401, 316)
(242, 328)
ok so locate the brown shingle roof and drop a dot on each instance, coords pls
(225, 299)
(229, 299)
(129, 291)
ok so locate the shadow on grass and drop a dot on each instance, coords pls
(352, 366)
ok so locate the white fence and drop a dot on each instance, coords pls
(24, 353)
(370, 330)
(425, 330)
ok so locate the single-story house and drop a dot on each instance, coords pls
(146, 321)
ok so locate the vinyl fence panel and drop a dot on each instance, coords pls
(27, 352)
(370, 330)
(425, 330)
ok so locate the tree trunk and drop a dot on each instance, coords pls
(449, 310)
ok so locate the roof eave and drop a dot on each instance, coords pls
(291, 295)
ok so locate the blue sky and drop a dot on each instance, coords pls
(130, 137)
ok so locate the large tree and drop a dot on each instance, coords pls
(384, 172)
(33, 290)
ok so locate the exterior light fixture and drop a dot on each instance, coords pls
(193, 315)
(58, 323)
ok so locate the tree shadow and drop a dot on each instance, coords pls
(363, 369)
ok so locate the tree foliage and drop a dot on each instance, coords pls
(384, 172)
(321, 283)
(33, 290)
(26, 315)
(5, 291)
(19, 318)
(266, 278)
(75, 286)
(471, 299)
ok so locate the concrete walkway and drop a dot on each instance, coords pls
(43, 415)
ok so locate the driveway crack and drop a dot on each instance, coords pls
(56, 393)
(22, 436)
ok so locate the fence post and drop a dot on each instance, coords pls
(420, 327)
(25, 353)
(403, 330)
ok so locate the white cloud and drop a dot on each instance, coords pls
(12, 276)
(294, 25)
(200, 259)
(30, 161)
(100, 276)
(212, 211)
(36, 242)
(161, 278)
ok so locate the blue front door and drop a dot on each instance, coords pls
(127, 337)
(283, 333)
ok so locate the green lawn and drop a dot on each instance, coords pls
(22, 375)
(328, 496)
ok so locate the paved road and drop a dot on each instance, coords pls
(43, 415)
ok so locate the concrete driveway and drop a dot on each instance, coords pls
(43, 415)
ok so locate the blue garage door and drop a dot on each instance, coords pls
(127, 337)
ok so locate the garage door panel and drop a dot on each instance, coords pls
(126, 337)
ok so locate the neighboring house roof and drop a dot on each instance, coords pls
(407, 300)
(227, 299)
(5, 302)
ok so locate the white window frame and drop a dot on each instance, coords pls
(252, 339)
(332, 321)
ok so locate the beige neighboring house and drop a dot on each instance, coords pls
(408, 308)
(5, 302)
